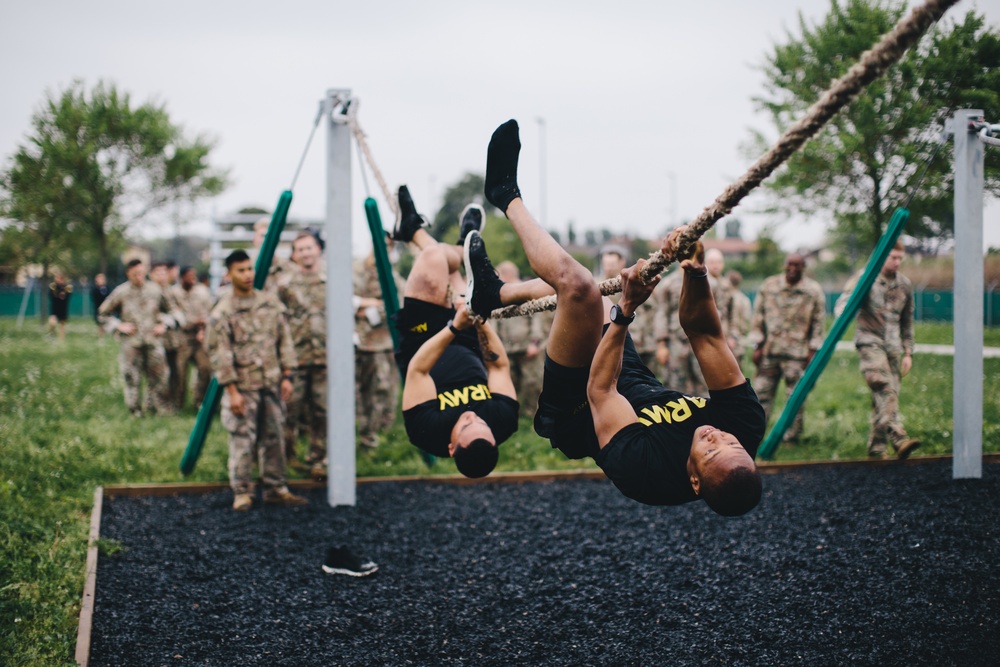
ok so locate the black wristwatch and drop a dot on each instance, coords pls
(619, 317)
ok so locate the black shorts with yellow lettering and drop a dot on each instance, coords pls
(563, 414)
(417, 321)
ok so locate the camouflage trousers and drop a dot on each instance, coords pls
(190, 352)
(307, 406)
(683, 373)
(771, 371)
(257, 433)
(882, 373)
(148, 361)
(376, 390)
(527, 376)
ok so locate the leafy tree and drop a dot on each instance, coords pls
(457, 197)
(93, 165)
(768, 259)
(865, 162)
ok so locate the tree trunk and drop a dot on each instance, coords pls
(43, 294)
(875, 210)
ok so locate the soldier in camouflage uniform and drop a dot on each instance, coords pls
(303, 292)
(740, 315)
(722, 291)
(786, 332)
(195, 302)
(524, 340)
(884, 339)
(253, 358)
(139, 313)
(376, 378)
(172, 338)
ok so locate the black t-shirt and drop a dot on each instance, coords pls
(59, 298)
(460, 378)
(647, 461)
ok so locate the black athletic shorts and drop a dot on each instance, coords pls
(417, 321)
(563, 414)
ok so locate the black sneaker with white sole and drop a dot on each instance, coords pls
(340, 560)
(473, 218)
(482, 295)
(408, 221)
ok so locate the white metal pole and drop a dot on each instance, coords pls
(341, 473)
(968, 317)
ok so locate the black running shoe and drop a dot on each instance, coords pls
(482, 295)
(473, 218)
(408, 221)
(339, 560)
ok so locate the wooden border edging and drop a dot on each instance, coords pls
(176, 488)
(82, 655)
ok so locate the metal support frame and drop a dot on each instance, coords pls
(341, 466)
(968, 320)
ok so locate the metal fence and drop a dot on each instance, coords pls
(930, 306)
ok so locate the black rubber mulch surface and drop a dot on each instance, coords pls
(889, 565)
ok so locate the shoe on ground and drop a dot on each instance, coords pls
(242, 502)
(339, 560)
(285, 498)
(473, 219)
(408, 221)
(482, 295)
(318, 471)
(906, 447)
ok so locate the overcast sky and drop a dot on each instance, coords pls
(641, 101)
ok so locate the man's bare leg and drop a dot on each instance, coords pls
(576, 328)
(435, 268)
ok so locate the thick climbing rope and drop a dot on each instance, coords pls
(873, 63)
(361, 139)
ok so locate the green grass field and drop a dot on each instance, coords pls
(64, 430)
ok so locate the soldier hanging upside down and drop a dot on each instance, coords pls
(458, 397)
(657, 445)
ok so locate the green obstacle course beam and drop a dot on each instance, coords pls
(213, 395)
(822, 357)
(389, 295)
(385, 278)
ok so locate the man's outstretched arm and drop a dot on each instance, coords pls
(611, 411)
(699, 317)
(498, 377)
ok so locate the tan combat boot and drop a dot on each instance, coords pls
(242, 502)
(284, 497)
